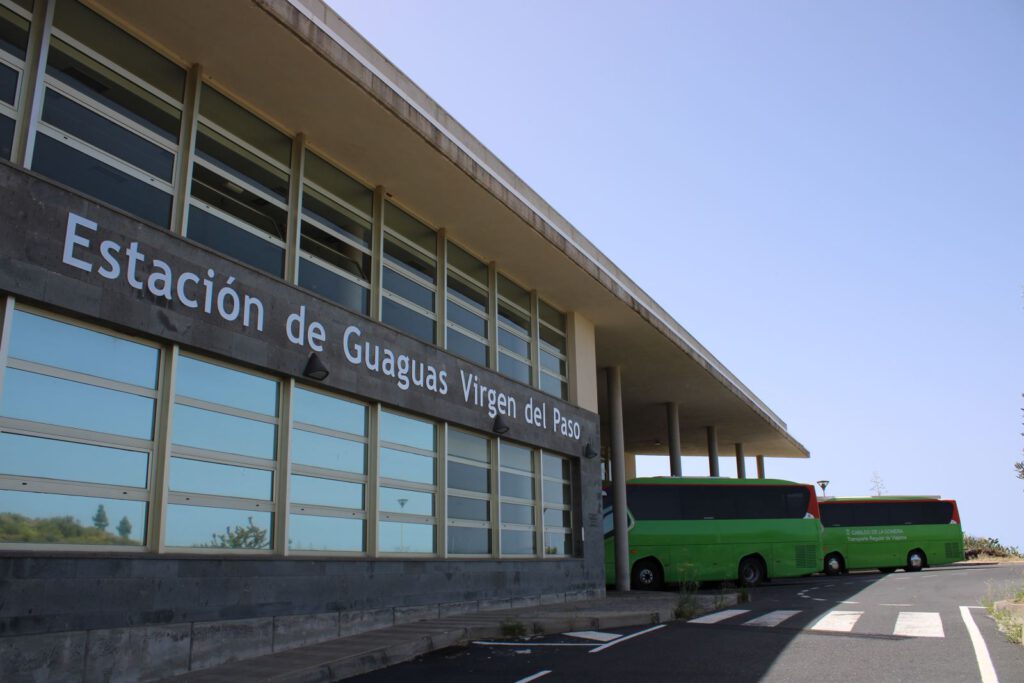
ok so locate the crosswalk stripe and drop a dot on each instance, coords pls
(837, 620)
(718, 616)
(773, 618)
(919, 625)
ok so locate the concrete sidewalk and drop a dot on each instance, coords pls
(341, 658)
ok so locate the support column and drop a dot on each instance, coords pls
(712, 451)
(618, 479)
(760, 467)
(675, 450)
(741, 465)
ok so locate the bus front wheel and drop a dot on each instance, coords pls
(751, 572)
(916, 560)
(647, 576)
(834, 564)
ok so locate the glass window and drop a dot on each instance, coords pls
(328, 492)
(469, 477)
(518, 500)
(518, 542)
(407, 454)
(193, 526)
(406, 537)
(44, 340)
(13, 41)
(328, 452)
(195, 476)
(407, 431)
(558, 505)
(468, 306)
(103, 470)
(314, 532)
(406, 466)
(469, 508)
(553, 349)
(406, 502)
(240, 184)
(418, 325)
(469, 541)
(330, 412)
(217, 384)
(214, 431)
(410, 275)
(28, 517)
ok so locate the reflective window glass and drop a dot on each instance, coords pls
(556, 467)
(51, 342)
(247, 127)
(552, 340)
(40, 398)
(215, 479)
(190, 526)
(557, 492)
(409, 321)
(328, 452)
(27, 517)
(514, 318)
(467, 347)
(6, 137)
(516, 485)
(551, 316)
(516, 457)
(330, 412)
(556, 517)
(405, 537)
(514, 293)
(557, 543)
(516, 542)
(30, 456)
(552, 363)
(408, 227)
(468, 477)
(330, 285)
(13, 33)
(319, 491)
(473, 298)
(469, 446)
(407, 431)
(554, 386)
(465, 319)
(406, 502)
(218, 384)
(468, 508)
(408, 289)
(468, 541)
(513, 343)
(468, 265)
(8, 84)
(312, 532)
(106, 183)
(215, 431)
(406, 466)
(513, 368)
(512, 513)
(227, 238)
(234, 160)
(349, 191)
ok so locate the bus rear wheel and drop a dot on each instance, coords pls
(751, 572)
(916, 560)
(834, 564)
(647, 576)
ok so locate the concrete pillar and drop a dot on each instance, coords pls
(760, 467)
(618, 479)
(630, 466)
(712, 451)
(582, 361)
(675, 450)
(741, 465)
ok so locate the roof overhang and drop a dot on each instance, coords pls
(323, 79)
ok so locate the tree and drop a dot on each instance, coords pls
(1019, 466)
(877, 485)
(124, 528)
(99, 520)
(251, 536)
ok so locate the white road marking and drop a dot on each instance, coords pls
(718, 616)
(895, 604)
(534, 676)
(623, 639)
(494, 643)
(599, 636)
(919, 625)
(837, 620)
(848, 602)
(988, 672)
(773, 618)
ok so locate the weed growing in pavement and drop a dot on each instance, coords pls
(688, 606)
(1011, 626)
(513, 629)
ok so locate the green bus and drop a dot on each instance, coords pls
(690, 529)
(889, 532)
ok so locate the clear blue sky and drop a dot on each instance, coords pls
(828, 195)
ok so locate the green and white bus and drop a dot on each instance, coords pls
(890, 532)
(688, 529)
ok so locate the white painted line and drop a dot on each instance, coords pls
(773, 618)
(499, 644)
(895, 604)
(594, 635)
(848, 602)
(625, 638)
(718, 616)
(988, 672)
(837, 620)
(919, 625)
(534, 676)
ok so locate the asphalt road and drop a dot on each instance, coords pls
(860, 627)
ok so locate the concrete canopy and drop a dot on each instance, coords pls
(358, 109)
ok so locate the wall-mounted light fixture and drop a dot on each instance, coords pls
(589, 452)
(315, 369)
(500, 426)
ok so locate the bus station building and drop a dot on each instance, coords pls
(287, 354)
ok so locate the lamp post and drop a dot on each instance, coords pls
(401, 526)
(823, 483)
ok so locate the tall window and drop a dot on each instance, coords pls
(468, 306)
(14, 25)
(408, 484)
(518, 500)
(328, 473)
(336, 236)
(239, 190)
(557, 499)
(410, 275)
(469, 494)
(111, 115)
(515, 330)
(553, 352)
(223, 456)
(77, 416)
